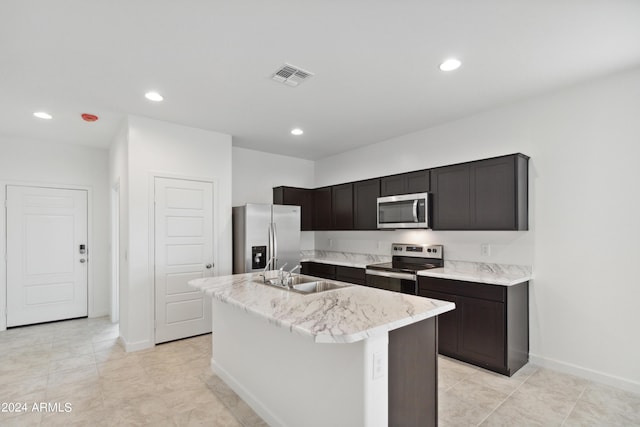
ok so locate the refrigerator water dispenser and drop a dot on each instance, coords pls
(258, 257)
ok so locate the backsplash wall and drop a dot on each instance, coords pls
(506, 247)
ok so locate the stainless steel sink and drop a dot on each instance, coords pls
(302, 284)
(315, 287)
(297, 280)
(293, 281)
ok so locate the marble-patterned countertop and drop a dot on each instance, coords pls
(493, 274)
(480, 272)
(347, 259)
(345, 315)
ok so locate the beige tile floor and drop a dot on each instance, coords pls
(80, 362)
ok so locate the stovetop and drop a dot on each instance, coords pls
(412, 258)
(402, 267)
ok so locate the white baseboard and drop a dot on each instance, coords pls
(586, 373)
(96, 314)
(246, 396)
(135, 346)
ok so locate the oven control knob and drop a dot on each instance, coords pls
(429, 250)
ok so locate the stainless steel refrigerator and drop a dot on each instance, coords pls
(261, 232)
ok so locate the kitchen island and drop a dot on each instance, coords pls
(353, 356)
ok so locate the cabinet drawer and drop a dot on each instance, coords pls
(350, 274)
(461, 288)
(317, 269)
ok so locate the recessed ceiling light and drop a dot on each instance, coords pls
(450, 65)
(153, 96)
(43, 115)
(297, 131)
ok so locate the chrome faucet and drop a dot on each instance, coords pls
(264, 272)
(290, 272)
(281, 273)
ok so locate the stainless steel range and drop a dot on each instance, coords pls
(400, 274)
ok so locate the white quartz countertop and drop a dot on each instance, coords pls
(347, 259)
(480, 272)
(343, 315)
(344, 263)
(492, 274)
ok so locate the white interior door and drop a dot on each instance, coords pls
(183, 251)
(46, 273)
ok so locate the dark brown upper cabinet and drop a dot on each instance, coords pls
(405, 183)
(322, 210)
(302, 197)
(486, 194)
(365, 204)
(451, 198)
(342, 207)
(490, 194)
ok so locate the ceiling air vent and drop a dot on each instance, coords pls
(291, 75)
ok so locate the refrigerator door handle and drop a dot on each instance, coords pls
(269, 244)
(275, 241)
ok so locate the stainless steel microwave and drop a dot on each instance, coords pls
(404, 211)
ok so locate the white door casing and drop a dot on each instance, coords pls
(183, 251)
(47, 276)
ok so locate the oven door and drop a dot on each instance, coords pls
(391, 281)
(405, 211)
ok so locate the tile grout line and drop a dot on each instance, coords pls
(574, 406)
(507, 398)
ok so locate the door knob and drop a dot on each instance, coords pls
(82, 260)
(209, 265)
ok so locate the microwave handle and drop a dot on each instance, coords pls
(415, 210)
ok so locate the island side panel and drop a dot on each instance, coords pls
(290, 380)
(413, 375)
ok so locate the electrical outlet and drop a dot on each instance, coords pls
(485, 249)
(379, 364)
(330, 243)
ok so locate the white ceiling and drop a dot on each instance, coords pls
(375, 64)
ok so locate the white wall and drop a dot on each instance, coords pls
(255, 173)
(119, 177)
(158, 148)
(584, 210)
(33, 162)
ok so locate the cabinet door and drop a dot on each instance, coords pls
(365, 206)
(393, 185)
(482, 331)
(342, 206)
(451, 197)
(298, 197)
(350, 274)
(417, 182)
(493, 190)
(447, 324)
(322, 208)
(405, 183)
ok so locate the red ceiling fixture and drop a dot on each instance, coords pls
(89, 117)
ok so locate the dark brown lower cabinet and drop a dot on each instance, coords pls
(334, 272)
(413, 375)
(319, 269)
(490, 325)
(481, 334)
(447, 324)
